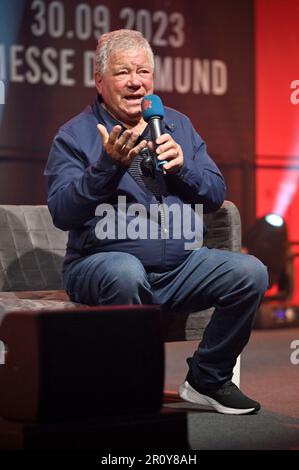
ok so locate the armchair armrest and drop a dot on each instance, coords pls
(223, 228)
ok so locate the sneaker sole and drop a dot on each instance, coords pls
(203, 402)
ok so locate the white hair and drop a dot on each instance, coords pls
(119, 40)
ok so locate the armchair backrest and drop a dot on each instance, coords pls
(31, 249)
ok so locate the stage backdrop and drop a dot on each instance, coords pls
(277, 116)
(204, 68)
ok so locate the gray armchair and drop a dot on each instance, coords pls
(32, 250)
(31, 254)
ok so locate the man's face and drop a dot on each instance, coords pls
(127, 79)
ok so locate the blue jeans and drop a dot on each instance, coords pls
(233, 283)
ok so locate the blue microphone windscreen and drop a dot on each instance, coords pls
(152, 106)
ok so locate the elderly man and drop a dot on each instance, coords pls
(104, 158)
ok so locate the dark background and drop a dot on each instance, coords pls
(32, 113)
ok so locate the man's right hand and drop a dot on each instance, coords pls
(121, 146)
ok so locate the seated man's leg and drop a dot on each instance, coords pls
(110, 278)
(234, 284)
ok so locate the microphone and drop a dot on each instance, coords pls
(153, 113)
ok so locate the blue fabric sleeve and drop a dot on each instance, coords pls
(76, 187)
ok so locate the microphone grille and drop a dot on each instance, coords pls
(152, 106)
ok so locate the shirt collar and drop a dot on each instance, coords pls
(103, 115)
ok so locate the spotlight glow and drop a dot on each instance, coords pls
(286, 191)
(274, 219)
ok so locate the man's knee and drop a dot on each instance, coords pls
(109, 279)
(125, 271)
(254, 273)
(124, 281)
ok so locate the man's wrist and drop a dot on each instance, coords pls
(107, 164)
